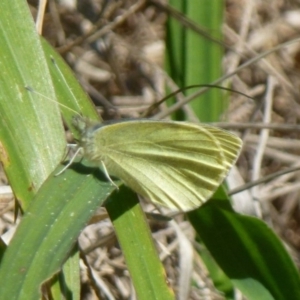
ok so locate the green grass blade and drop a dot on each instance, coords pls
(31, 132)
(219, 278)
(132, 229)
(66, 283)
(49, 229)
(204, 57)
(194, 59)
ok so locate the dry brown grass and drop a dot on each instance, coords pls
(116, 52)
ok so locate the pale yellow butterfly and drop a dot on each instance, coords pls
(175, 164)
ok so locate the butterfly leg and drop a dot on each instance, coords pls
(70, 162)
(107, 175)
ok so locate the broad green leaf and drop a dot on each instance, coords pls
(248, 252)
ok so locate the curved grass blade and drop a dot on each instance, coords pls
(49, 228)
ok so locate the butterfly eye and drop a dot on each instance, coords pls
(79, 123)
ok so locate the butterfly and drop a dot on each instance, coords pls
(174, 164)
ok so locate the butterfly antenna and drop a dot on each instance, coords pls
(61, 75)
(30, 89)
(107, 175)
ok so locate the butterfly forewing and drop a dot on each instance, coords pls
(174, 164)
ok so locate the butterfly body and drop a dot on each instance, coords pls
(174, 164)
